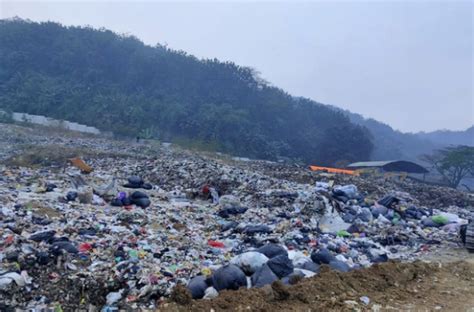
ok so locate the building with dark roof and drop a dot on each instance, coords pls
(390, 166)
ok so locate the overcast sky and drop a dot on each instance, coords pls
(406, 63)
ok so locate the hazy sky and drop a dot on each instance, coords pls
(406, 63)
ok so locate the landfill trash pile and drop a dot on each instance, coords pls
(427, 195)
(147, 218)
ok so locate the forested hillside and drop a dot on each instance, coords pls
(117, 83)
(393, 144)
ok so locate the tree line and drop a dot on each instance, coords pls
(117, 83)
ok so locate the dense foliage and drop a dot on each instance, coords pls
(115, 82)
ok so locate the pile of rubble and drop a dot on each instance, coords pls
(150, 217)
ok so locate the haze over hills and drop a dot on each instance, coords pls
(393, 144)
(117, 83)
(446, 137)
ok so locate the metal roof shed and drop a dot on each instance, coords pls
(390, 166)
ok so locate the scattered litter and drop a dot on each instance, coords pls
(365, 300)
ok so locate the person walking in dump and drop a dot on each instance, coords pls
(138, 139)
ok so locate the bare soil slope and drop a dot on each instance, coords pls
(394, 286)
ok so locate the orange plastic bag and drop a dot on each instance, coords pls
(79, 163)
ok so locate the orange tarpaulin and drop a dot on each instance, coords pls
(333, 170)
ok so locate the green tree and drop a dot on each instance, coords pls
(453, 163)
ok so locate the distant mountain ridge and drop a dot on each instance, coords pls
(394, 144)
(448, 137)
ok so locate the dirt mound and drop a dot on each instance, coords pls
(393, 285)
